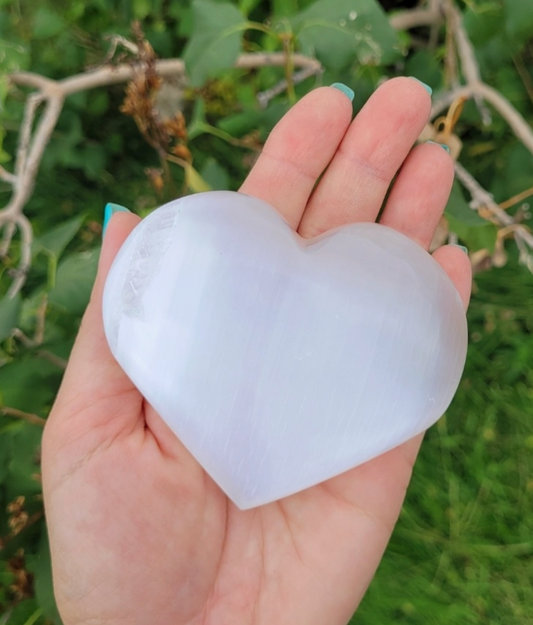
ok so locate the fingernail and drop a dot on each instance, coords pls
(426, 87)
(462, 247)
(109, 211)
(346, 90)
(442, 145)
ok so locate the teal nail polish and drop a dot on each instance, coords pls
(346, 90)
(426, 87)
(442, 145)
(109, 211)
(462, 247)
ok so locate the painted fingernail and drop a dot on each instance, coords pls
(462, 247)
(346, 90)
(442, 145)
(426, 87)
(109, 211)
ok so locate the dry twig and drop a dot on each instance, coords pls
(36, 131)
(25, 416)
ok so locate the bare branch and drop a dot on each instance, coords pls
(517, 123)
(469, 63)
(481, 198)
(413, 18)
(110, 75)
(7, 176)
(57, 361)
(26, 235)
(32, 104)
(9, 231)
(265, 96)
(32, 145)
(20, 414)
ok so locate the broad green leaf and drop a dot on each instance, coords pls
(74, 280)
(475, 237)
(216, 39)
(458, 208)
(515, 175)
(518, 21)
(215, 175)
(9, 314)
(56, 240)
(425, 67)
(484, 22)
(29, 383)
(340, 31)
(47, 23)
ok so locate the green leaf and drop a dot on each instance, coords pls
(458, 208)
(141, 8)
(518, 21)
(194, 180)
(216, 39)
(24, 464)
(56, 240)
(29, 383)
(482, 23)
(9, 314)
(215, 175)
(41, 567)
(22, 613)
(13, 56)
(247, 6)
(74, 280)
(340, 31)
(425, 67)
(284, 8)
(475, 237)
(5, 448)
(47, 23)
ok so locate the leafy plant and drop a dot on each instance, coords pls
(200, 126)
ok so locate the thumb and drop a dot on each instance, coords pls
(94, 387)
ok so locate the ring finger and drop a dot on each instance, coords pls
(373, 149)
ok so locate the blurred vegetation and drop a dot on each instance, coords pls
(463, 548)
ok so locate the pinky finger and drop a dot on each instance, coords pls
(457, 265)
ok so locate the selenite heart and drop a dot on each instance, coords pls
(278, 361)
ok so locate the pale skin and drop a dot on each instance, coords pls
(138, 532)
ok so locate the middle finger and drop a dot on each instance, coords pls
(373, 149)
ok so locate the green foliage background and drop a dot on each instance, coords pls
(463, 549)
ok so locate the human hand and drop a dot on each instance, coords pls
(139, 533)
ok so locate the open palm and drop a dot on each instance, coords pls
(139, 533)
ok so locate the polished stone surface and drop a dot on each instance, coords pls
(280, 362)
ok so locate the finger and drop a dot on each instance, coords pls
(420, 193)
(93, 374)
(298, 150)
(373, 149)
(457, 265)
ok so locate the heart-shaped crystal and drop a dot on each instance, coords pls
(279, 361)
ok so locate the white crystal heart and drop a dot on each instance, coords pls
(278, 361)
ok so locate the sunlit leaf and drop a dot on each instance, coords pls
(340, 31)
